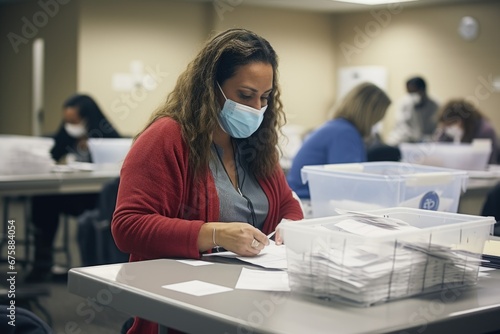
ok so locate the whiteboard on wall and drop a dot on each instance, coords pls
(351, 76)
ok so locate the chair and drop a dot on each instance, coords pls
(383, 152)
(492, 207)
(64, 248)
(94, 230)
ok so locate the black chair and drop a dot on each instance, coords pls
(492, 207)
(94, 230)
(383, 152)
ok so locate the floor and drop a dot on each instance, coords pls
(72, 314)
(69, 313)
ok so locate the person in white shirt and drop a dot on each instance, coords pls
(416, 117)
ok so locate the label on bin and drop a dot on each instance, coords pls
(430, 201)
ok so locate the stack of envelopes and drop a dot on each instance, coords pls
(370, 273)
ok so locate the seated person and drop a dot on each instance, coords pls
(461, 122)
(340, 140)
(82, 119)
(200, 175)
(415, 115)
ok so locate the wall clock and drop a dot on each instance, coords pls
(468, 28)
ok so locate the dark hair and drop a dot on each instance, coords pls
(96, 123)
(417, 82)
(253, 48)
(461, 110)
(193, 103)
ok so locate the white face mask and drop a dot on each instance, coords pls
(455, 132)
(415, 97)
(377, 128)
(75, 130)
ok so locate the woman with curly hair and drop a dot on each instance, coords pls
(461, 122)
(204, 172)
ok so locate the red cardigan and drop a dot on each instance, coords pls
(160, 210)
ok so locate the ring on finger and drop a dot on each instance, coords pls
(255, 243)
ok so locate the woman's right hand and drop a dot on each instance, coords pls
(240, 238)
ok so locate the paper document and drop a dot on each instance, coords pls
(486, 269)
(483, 272)
(370, 230)
(197, 288)
(371, 225)
(263, 280)
(492, 247)
(272, 256)
(195, 263)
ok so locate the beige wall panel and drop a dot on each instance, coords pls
(304, 42)
(57, 25)
(424, 41)
(163, 35)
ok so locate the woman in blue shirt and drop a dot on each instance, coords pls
(340, 140)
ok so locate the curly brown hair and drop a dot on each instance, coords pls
(459, 110)
(193, 103)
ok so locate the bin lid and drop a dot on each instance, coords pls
(411, 174)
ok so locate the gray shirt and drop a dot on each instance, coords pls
(250, 203)
(414, 123)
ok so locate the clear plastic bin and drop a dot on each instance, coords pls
(442, 252)
(376, 185)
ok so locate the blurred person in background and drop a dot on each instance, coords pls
(461, 122)
(82, 119)
(341, 139)
(415, 118)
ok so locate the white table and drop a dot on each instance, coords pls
(136, 289)
(23, 187)
(78, 182)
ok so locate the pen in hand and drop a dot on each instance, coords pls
(270, 235)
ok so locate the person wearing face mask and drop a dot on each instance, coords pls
(415, 117)
(340, 140)
(204, 173)
(461, 122)
(82, 119)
